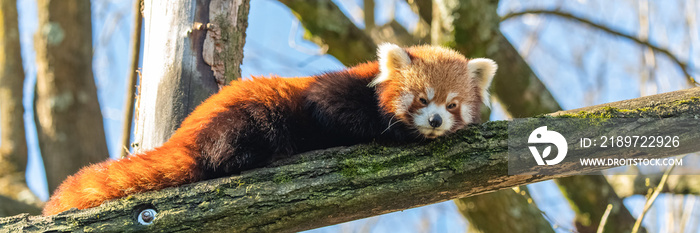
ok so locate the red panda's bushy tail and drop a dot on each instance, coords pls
(163, 167)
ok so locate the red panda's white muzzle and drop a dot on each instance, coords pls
(433, 120)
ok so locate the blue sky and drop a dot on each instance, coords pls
(579, 65)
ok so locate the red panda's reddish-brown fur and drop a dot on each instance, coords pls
(174, 163)
(94, 184)
(251, 122)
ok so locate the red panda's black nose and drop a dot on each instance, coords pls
(435, 120)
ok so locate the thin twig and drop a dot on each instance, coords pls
(684, 66)
(652, 198)
(604, 219)
(131, 80)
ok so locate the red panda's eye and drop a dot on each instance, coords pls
(451, 106)
(423, 101)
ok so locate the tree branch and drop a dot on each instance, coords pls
(683, 65)
(327, 25)
(330, 186)
(134, 49)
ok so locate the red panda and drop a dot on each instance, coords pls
(409, 94)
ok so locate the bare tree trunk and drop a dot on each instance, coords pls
(69, 120)
(13, 144)
(191, 49)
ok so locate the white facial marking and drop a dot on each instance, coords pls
(404, 103)
(430, 92)
(421, 120)
(466, 112)
(451, 96)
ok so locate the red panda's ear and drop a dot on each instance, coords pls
(391, 58)
(481, 71)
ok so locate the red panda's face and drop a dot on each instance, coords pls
(434, 90)
(434, 114)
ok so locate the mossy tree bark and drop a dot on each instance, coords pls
(13, 145)
(69, 120)
(326, 187)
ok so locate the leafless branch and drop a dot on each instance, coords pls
(134, 47)
(682, 65)
(651, 199)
